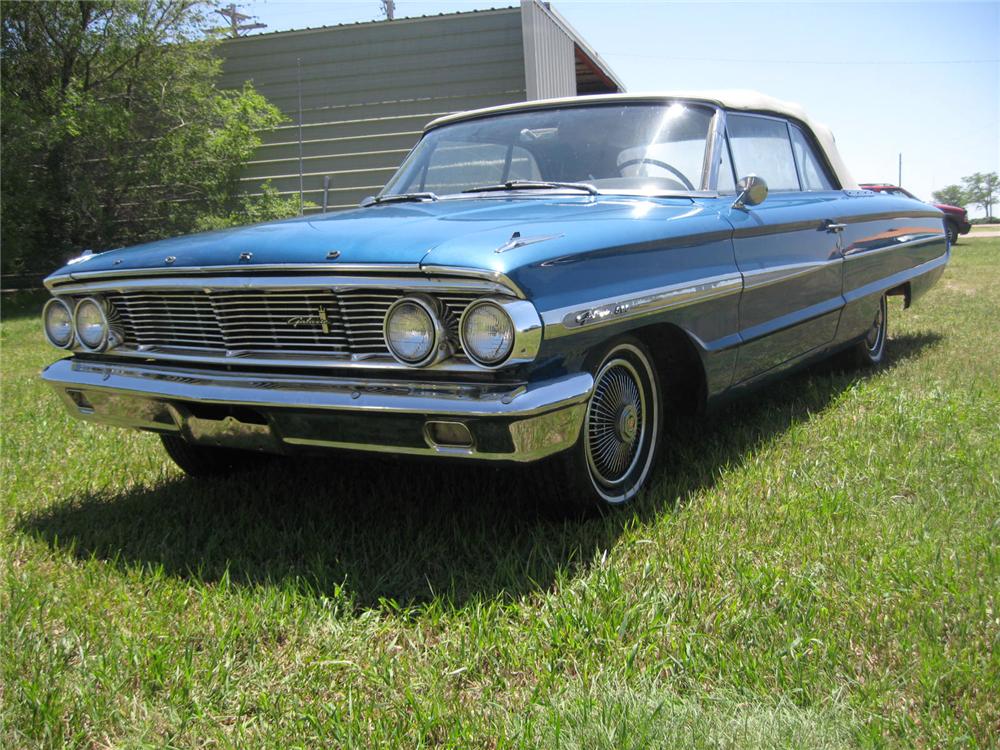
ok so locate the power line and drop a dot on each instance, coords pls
(804, 62)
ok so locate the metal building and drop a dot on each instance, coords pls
(365, 91)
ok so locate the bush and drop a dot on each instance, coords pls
(113, 129)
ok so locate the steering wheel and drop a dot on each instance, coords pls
(663, 164)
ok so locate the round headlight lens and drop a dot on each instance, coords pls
(487, 333)
(90, 323)
(58, 322)
(410, 332)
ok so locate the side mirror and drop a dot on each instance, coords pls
(752, 191)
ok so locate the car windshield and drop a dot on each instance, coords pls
(616, 148)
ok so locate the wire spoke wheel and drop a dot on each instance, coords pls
(875, 338)
(615, 422)
(619, 437)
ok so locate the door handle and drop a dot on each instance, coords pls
(833, 227)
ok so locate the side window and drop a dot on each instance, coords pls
(455, 166)
(811, 169)
(760, 146)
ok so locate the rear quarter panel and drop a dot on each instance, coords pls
(888, 241)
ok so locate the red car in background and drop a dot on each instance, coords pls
(956, 218)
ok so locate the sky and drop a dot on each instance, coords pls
(889, 78)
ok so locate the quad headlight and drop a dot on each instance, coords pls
(487, 333)
(57, 320)
(90, 324)
(413, 332)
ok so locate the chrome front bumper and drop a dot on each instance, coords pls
(284, 413)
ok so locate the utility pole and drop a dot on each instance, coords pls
(236, 19)
(389, 8)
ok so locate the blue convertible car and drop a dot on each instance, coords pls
(541, 279)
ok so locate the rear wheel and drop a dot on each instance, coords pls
(207, 461)
(870, 351)
(620, 438)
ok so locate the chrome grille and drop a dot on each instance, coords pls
(310, 322)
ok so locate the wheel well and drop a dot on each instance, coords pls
(903, 290)
(682, 375)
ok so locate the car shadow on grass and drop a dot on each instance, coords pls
(388, 534)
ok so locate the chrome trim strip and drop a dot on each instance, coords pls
(285, 268)
(509, 400)
(246, 278)
(329, 362)
(762, 277)
(567, 320)
(855, 253)
(497, 277)
(888, 282)
(713, 149)
(285, 283)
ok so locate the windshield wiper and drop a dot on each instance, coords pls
(534, 185)
(400, 198)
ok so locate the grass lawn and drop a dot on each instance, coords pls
(818, 566)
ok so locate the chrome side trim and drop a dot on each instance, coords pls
(888, 282)
(567, 320)
(853, 253)
(763, 277)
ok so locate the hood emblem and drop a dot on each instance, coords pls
(169, 259)
(333, 255)
(311, 321)
(516, 241)
(246, 257)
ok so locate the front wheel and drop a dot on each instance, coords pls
(620, 438)
(951, 229)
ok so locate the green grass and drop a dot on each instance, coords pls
(817, 566)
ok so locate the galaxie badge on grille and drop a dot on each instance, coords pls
(311, 321)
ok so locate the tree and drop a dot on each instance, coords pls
(113, 128)
(983, 190)
(953, 195)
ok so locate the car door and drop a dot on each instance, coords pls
(788, 248)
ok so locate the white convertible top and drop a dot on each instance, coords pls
(733, 99)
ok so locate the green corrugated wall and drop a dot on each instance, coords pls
(367, 91)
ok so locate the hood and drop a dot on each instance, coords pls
(949, 209)
(462, 233)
